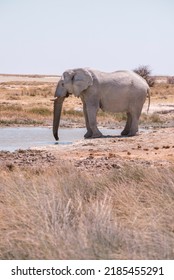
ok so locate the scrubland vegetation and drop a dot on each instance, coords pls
(29, 104)
(60, 213)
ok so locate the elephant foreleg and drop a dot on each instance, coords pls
(92, 120)
(88, 134)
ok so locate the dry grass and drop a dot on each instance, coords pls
(150, 118)
(63, 214)
(25, 103)
(162, 90)
(29, 103)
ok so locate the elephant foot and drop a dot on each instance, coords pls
(125, 132)
(132, 133)
(97, 135)
(88, 134)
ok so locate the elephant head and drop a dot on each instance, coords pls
(77, 80)
(73, 82)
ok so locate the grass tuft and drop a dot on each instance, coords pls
(40, 111)
(72, 112)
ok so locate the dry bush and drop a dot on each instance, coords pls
(59, 213)
(145, 72)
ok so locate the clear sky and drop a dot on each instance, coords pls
(50, 36)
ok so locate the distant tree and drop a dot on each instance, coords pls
(145, 72)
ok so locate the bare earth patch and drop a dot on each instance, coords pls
(154, 148)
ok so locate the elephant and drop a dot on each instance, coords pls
(119, 91)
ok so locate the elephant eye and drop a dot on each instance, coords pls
(62, 84)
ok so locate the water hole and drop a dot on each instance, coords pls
(15, 138)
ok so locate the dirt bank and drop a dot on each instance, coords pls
(154, 148)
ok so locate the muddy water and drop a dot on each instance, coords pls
(14, 138)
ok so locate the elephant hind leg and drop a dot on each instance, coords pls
(131, 127)
(133, 130)
(127, 128)
(134, 124)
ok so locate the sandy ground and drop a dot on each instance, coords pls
(24, 78)
(154, 148)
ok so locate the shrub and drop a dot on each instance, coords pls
(145, 72)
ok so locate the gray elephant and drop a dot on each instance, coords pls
(120, 91)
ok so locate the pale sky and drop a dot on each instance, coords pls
(50, 36)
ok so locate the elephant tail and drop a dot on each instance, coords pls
(148, 94)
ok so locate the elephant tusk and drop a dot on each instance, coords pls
(54, 99)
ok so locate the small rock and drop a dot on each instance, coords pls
(111, 155)
(114, 165)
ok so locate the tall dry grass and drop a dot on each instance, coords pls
(60, 213)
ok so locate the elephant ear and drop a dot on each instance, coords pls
(67, 79)
(82, 80)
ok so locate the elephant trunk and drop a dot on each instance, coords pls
(57, 112)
